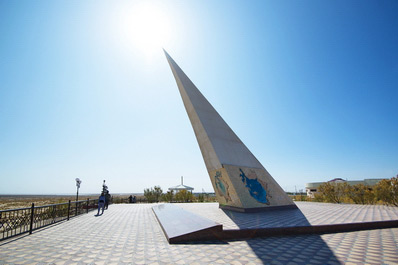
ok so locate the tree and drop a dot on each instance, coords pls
(333, 192)
(201, 197)
(153, 194)
(183, 196)
(168, 197)
(360, 194)
(157, 193)
(149, 196)
(318, 197)
(387, 191)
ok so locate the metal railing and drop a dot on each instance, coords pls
(19, 221)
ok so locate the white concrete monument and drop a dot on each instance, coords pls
(240, 182)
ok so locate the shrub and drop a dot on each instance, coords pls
(183, 196)
(153, 194)
(387, 191)
(333, 192)
(360, 194)
(168, 196)
(201, 197)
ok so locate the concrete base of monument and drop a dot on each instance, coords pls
(181, 226)
(257, 209)
(189, 222)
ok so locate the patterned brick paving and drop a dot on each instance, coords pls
(130, 234)
(309, 213)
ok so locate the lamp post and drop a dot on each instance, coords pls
(78, 182)
(104, 187)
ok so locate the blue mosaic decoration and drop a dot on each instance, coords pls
(257, 191)
(222, 186)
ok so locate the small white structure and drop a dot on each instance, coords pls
(181, 187)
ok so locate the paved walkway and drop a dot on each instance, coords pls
(308, 213)
(130, 234)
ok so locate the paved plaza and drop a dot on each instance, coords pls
(308, 213)
(130, 234)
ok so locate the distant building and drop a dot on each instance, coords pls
(312, 188)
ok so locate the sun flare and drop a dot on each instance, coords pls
(148, 27)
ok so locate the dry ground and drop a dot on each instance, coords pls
(24, 201)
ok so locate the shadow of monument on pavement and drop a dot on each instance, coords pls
(300, 249)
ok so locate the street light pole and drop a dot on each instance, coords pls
(104, 187)
(78, 182)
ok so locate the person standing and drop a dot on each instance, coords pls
(101, 203)
(107, 199)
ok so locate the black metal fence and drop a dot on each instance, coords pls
(19, 221)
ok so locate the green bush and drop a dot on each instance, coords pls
(168, 196)
(153, 194)
(333, 192)
(183, 196)
(201, 197)
(360, 194)
(386, 191)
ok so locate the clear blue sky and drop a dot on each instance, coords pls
(311, 87)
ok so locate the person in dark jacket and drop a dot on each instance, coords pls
(107, 199)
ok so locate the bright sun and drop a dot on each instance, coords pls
(147, 26)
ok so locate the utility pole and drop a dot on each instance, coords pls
(78, 182)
